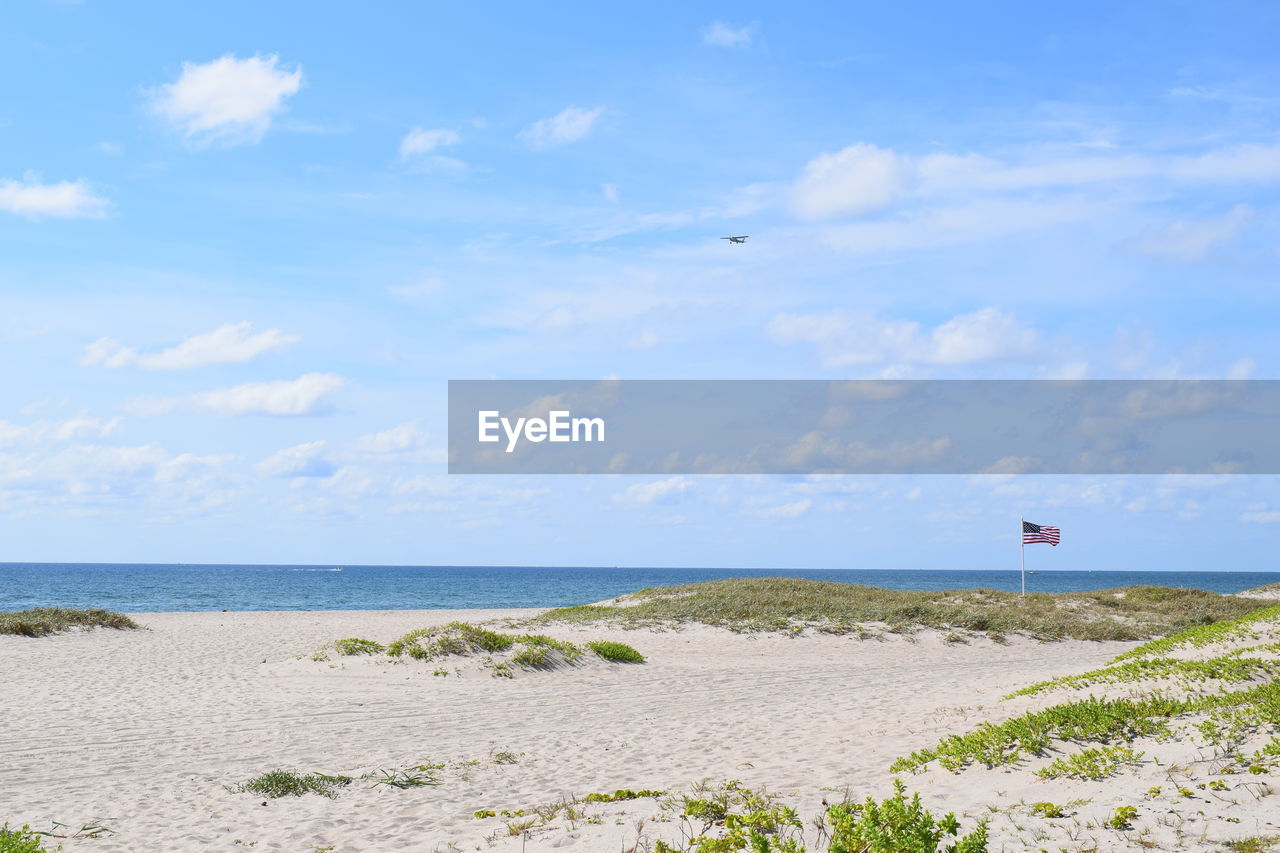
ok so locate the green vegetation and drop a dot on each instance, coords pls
(1229, 668)
(785, 604)
(1048, 810)
(898, 824)
(728, 817)
(1121, 817)
(615, 652)
(1253, 844)
(41, 621)
(1203, 635)
(527, 651)
(22, 841)
(456, 638)
(357, 646)
(1094, 763)
(1091, 720)
(419, 776)
(621, 795)
(285, 783)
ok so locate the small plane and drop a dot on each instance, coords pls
(740, 239)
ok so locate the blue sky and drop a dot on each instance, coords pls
(243, 249)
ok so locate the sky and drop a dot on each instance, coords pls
(243, 249)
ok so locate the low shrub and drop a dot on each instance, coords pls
(22, 841)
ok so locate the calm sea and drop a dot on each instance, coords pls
(159, 587)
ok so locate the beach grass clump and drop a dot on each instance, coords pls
(286, 783)
(526, 651)
(42, 621)
(22, 840)
(615, 652)
(456, 638)
(420, 776)
(1203, 635)
(785, 604)
(1094, 763)
(353, 646)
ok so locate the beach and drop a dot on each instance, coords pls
(145, 731)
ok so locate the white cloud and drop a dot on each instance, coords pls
(303, 460)
(44, 432)
(419, 141)
(301, 396)
(721, 34)
(569, 125)
(1261, 517)
(228, 100)
(789, 510)
(864, 178)
(63, 200)
(233, 343)
(859, 179)
(416, 291)
(398, 439)
(846, 338)
(610, 193)
(1192, 240)
(658, 491)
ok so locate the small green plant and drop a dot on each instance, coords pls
(615, 652)
(620, 795)
(357, 646)
(1121, 817)
(484, 813)
(22, 840)
(420, 776)
(899, 824)
(1048, 810)
(285, 783)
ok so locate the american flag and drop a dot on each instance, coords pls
(1039, 533)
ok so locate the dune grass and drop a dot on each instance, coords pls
(41, 621)
(524, 651)
(286, 783)
(782, 604)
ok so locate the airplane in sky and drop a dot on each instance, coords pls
(741, 239)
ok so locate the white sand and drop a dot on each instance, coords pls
(142, 730)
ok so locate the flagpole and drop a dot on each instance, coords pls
(1023, 544)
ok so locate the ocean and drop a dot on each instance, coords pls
(152, 587)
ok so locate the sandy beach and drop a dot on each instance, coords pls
(143, 731)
